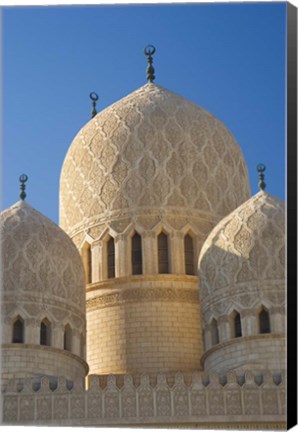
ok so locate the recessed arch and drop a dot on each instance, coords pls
(67, 338)
(163, 252)
(110, 247)
(264, 320)
(136, 254)
(214, 332)
(45, 332)
(236, 326)
(18, 330)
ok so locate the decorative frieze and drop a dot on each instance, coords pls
(200, 401)
(143, 294)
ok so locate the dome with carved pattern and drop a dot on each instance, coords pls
(42, 270)
(242, 261)
(152, 149)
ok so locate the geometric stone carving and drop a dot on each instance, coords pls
(145, 397)
(163, 396)
(143, 403)
(127, 160)
(128, 398)
(180, 396)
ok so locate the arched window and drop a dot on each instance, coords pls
(264, 321)
(45, 333)
(136, 254)
(214, 332)
(18, 331)
(67, 338)
(189, 255)
(111, 258)
(237, 325)
(163, 253)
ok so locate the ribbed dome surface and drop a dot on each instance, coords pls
(151, 149)
(242, 261)
(41, 267)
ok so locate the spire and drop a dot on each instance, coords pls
(22, 179)
(94, 97)
(149, 51)
(261, 168)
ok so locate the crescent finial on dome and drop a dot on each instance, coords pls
(261, 168)
(22, 179)
(149, 51)
(94, 97)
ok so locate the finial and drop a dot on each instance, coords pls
(94, 97)
(261, 168)
(149, 51)
(22, 179)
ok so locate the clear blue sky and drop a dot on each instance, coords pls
(227, 58)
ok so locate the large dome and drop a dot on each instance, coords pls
(151, 149)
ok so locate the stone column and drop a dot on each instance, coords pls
(149, 249)
(76, 342)
(277, 319)
(121, 256)
(224, 328)
(32, 331)
(249, 323)
(57, 336)
(176, 253)
(96, 255)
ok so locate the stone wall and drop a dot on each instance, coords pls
(143, 324)
(245, 401)
(254, 352)
(27, 360)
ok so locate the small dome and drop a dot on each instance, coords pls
(243, 258)
(43, 298)
(39, 259)
(151, 149)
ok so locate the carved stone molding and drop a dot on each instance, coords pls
(143, 294)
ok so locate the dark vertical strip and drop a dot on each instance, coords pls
(292, 213)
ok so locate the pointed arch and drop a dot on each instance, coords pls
(18, 330)
(67, 339)
(163, 253)
(237, 325)
(136, 254)
(264, 321)
(189, 255)
(45, 332)
(111, 258)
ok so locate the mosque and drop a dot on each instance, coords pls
(159, 300)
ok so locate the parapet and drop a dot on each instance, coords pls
(231, 401)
